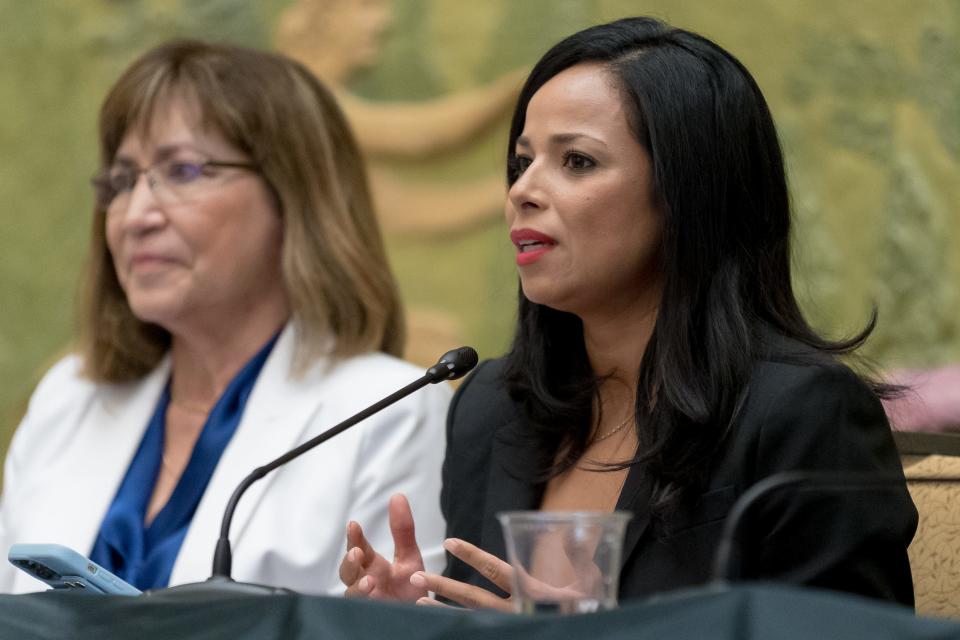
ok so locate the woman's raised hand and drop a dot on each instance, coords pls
(367, 574)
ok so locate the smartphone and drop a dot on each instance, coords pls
(63, 568)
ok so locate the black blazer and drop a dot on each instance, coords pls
(797, 416)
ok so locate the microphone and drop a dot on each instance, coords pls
(451, 365)
(727, 559)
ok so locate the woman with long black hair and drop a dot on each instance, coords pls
(661, 364)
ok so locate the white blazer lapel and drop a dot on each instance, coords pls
(84, 475)
(278, 412)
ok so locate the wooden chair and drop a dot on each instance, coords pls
(935, 551)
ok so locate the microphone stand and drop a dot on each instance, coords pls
(452, 365)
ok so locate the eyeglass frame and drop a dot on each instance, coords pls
(105, 192)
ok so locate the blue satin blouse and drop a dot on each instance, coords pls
(144, 555)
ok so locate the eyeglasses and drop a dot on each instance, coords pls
(172, 181)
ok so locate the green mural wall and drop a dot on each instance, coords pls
(866, 96)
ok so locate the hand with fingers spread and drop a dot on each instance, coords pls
(367, 574)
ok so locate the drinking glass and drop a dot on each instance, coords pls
(564, 562)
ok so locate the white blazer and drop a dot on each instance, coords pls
(72, 450)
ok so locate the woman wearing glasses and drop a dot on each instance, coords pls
(237, 302)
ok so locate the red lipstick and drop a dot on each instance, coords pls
(531, 245)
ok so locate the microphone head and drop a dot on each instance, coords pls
(454, 364)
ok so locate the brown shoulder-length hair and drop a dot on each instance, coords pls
(335, 270)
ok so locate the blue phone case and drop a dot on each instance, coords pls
(63, 568)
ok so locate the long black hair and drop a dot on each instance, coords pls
(719, 181)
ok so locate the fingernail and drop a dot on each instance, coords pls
(418, 580)
(451, 544)
(364, 584)
(425, 600)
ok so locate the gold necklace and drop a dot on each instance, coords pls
(616, 429)
(194, 409)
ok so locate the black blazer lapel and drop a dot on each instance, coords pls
(635, 498)
(511, 484)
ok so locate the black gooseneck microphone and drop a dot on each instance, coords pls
(727, 561)
(451, 365)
